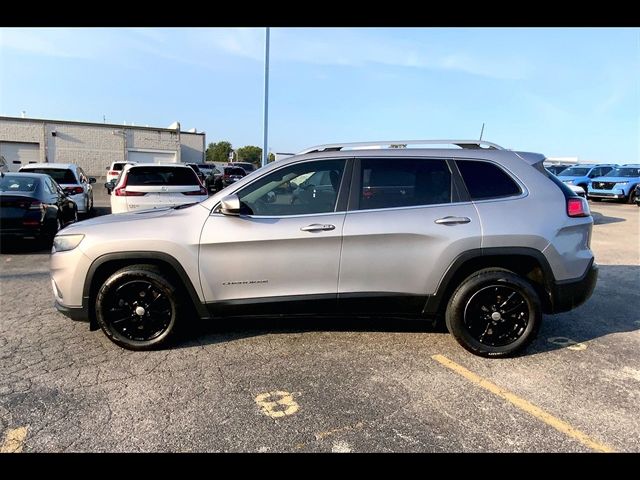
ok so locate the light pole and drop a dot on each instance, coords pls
(265, 153)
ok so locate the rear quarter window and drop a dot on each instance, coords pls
(485, 180)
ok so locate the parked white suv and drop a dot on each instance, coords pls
(76, 184)
(479, 236)
(113, 170)
(150, 185)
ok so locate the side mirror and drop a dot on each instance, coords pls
(92, 180)
(230, 205)
(109, 187)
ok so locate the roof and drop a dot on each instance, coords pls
(20, 174)
(97, 124)
(50, 165)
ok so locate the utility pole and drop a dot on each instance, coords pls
(265, 153)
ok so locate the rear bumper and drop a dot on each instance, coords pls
(21, 232)
(569, 294)
(74, 313)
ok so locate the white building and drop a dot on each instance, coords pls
(94, 146)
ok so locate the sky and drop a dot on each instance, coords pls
(559, 91)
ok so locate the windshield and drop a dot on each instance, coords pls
(60, 175)
(624, 172)
(575, 171)
(18, 184)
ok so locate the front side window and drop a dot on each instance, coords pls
(485, 180)
(403, 182)
(301, 189)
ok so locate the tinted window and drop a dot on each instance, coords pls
(162, 176)
(305, 188)
(235, 171)
(576, 171)
(10, 183)
(624, 172)
(118, 166)
(60, 175)
(403, 182)
(486, 180)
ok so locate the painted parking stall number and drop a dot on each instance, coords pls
(277, 404)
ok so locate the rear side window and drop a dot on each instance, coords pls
(60, 175)
(403, 182)
(162, 176)
(485, 180)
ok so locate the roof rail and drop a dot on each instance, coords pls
(467, 144)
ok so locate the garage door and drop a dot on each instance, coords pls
(152, 157)
(18, 154)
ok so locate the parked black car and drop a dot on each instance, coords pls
(33, 205)
(229, 175)
(196, 169)
(247, 166)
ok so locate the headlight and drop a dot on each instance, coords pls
(621, 183)
(569, 182)
(62, 243)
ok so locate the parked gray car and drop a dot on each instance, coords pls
(482, 237)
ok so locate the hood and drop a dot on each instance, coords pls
(118, 218)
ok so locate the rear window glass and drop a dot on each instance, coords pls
(18, 184)
(60, 175)
(162, 176)
(234, 171)
(118, 166)
(486, 180)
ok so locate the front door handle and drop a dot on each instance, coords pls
(452, 220)
(317, 227)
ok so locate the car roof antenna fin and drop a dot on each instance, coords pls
(481, 131)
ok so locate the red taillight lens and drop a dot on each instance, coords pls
(577, 207)
(31, 222)
(201, 191)
(37, 205)
(74, 190)
(113, 172)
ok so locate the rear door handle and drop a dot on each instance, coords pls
(452, 220)
(317, 227)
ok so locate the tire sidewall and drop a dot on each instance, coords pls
(474, 283)
(113, 283)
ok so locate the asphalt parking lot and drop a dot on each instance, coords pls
(341, 385)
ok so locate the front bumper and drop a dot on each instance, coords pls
(616, 193)
(569, 294)
(74, 313)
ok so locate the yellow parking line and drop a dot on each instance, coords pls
(14, 440)
(524, 405)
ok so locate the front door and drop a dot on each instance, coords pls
(283, 254)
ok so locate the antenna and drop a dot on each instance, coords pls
(482, 131)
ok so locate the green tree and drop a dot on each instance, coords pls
(219, 152)
(251, 154)
(272, 158)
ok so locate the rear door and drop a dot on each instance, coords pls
(408, 219)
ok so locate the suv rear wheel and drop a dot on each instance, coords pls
(137, 307)
(494, 313)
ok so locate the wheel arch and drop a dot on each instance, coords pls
(527, 262)
(105, 265)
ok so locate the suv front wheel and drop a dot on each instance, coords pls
(137, 307)
(494, 313)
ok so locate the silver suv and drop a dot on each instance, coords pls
(478, 235)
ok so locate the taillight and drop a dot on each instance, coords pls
(201, 191)
(577, 207)
(113, 172)
(37, 205)
(122, 192)
(74, 190)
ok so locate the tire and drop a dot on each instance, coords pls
(632, 197)
(46, 238)
(137, 308)
(484, 291)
